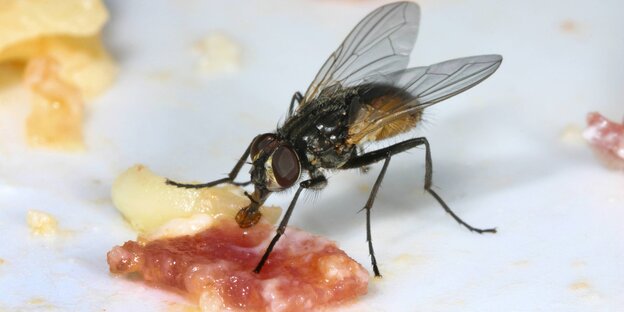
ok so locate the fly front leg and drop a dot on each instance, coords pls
(297, 97)
(229, 179)
(386, 154)
(313, 183)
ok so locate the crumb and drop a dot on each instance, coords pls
(218, 54)
(579, 285)
(41, 223)
(36, 301)
(572, 134)
(2, 261)
(585, 291)
(569, 26)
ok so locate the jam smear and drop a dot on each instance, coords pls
(303, 273)
(606, 138)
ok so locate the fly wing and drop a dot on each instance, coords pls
(426, 86)
(380, 44)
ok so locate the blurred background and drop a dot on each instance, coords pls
(508, 153)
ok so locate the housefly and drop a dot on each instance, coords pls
(363, 93)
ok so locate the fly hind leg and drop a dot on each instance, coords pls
(381, 154)
(386, 154)
(368, 206)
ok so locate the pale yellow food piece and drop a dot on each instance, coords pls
(22, 20)
(218, 54)
(41, 223)
(82, 61)
(147, 202)
(77, 68)
(180, 227)
(57, 107)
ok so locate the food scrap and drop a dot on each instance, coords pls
(189, 243)
(214, 267)
(148, 203)
(57, 46)
(41, 223)
(218, 54)
(606, 138)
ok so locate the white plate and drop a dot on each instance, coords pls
(499, 158)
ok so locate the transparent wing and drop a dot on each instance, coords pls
(379, 44)
(427, 86)
(438, 82)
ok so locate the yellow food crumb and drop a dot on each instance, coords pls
(27, 19)
(580, 285)
(569, 26)
(572, 134)
(218, 54)
(36, 300)
(147, 202)
(57, 107)
(58, 47)
(41, 223)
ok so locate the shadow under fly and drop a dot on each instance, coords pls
(363, 93)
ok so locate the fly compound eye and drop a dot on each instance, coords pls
(260, 143)
(286, 166)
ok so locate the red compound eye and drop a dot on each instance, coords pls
(286, 166)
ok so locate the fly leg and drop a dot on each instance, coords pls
(386, 154)
(368, 207)
(229, 179)
(316, 182)
(297, 97)
(378, 155)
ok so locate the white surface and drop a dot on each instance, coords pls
(498, 157)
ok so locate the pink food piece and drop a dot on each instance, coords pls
(304, 272)
(607, 139)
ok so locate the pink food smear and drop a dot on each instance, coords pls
(304, 272)
(607, 139)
